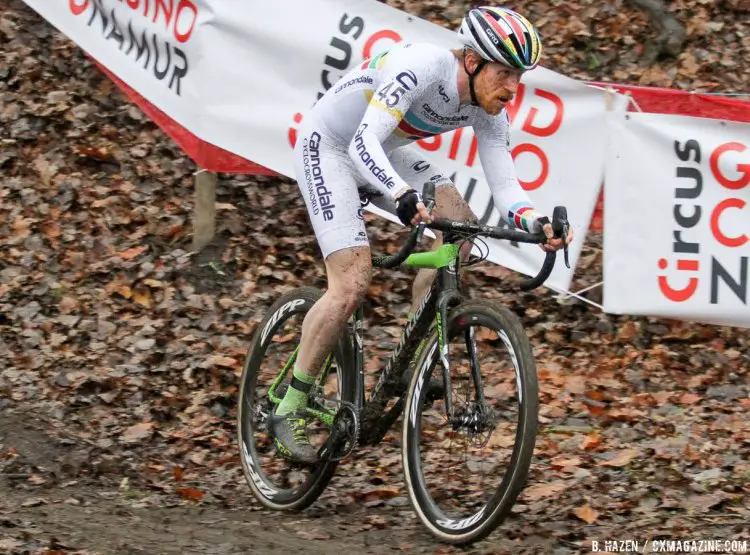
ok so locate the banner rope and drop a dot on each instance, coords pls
(564, 295)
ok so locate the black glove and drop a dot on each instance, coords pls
(406, 207)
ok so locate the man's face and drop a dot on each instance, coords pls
(495, 86)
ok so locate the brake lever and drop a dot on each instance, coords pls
(561, 228)
(428, 197)
(566, 230)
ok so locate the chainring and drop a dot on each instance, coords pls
(346, 427)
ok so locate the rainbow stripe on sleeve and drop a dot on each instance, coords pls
(522, 215)
(411, 127)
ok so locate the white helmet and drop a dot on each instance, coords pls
(501, 35)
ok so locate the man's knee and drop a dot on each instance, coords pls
(349, 276)
(450, 204)
(350, 292)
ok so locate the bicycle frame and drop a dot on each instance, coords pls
(444, 292)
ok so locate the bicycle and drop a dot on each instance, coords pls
(341, 418)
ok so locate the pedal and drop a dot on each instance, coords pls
(344, 434)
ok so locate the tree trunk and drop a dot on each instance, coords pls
(204, 222)
(671, 32)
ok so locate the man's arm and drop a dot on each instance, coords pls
(493, 145)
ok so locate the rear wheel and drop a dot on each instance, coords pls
(276, 482)
(464, 473)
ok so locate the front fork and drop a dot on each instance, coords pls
(451, 295)
(476, 375)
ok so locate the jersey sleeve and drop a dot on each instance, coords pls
(404, 81)
(493, 145)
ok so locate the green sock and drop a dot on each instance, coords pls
(294, 398)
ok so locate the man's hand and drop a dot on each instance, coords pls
(410, 209)
(554, 244)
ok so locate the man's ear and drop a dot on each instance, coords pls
(471, 61)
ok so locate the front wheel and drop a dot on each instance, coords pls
(464, 471)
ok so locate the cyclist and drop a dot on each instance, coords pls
(356, 138)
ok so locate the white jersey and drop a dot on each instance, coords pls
(409, 93)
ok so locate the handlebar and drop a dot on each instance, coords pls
(393, 260)
(560, 227)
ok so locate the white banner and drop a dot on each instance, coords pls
(241, 76)
(677, 218)
(151, 45)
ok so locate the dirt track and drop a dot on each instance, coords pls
(90, 516)
(45, 510)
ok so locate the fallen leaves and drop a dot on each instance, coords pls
(627, 332)
(51, 230)
(142, 296)
(193, 494)
(576, 384)
(96, 153)
(284, 338)
(543, 491)
(622, 458)
(375, 496)
(133, 343)
(222, 361)
(133, 252)
(591, 441)
(138, 432)
(178, 472)
(586, 513)
(312, 534)
(21, 227)
(704, 503)
(689, 399)
(10, 545)
(68, 305)
(34, 502)
(563, 463)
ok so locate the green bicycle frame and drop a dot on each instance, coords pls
(376, 421)
(445, 261)
(436, 259)
(326, 415)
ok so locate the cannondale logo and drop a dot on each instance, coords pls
(320, 196)
(361, 148)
